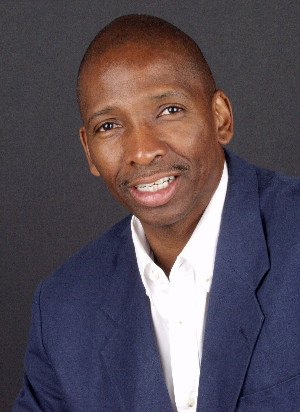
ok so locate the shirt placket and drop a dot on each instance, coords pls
(183, 339)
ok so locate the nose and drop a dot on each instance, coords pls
(143, 145)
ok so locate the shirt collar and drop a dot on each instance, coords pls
(144, 255)
(202, 245)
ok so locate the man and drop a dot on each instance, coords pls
(192, 303)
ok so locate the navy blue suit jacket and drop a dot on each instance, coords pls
(92, 346)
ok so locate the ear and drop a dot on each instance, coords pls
(83, 138)
(223, 117)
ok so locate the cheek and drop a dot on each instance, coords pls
(107, 159)
(201, 148)
(193, 130)
(194, 142)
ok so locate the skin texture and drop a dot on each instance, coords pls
(146, 116)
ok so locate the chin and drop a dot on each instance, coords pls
(158, 218)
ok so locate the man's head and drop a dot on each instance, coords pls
(151, 114)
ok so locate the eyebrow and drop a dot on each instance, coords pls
(106, 110)
(171, 93)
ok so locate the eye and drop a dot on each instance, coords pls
(106, 127)
(171, 110)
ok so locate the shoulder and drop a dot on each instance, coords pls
(280, 213)
(279, 197)
(279, 204)
(278, 200)
(93, 267)
(100, 251)
(277, 186)
(275, 190)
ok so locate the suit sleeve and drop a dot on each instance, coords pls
(40, 390)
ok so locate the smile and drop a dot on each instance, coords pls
(159, 184)
(156, 193)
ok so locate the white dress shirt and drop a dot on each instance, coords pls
(179, 304)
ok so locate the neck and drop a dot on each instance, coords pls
(167, 242)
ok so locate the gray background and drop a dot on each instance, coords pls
(51, 204)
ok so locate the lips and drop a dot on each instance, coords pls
(155, 193)
(159, 184)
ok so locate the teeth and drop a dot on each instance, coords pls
(157, 185)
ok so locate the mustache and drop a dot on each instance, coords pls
(151, 172)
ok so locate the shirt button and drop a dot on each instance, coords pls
(208, 279)
(190, 402)
(154, 275)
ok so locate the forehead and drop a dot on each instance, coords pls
(136, 69)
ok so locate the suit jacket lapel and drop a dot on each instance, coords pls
(234, 317)
(130, 354)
